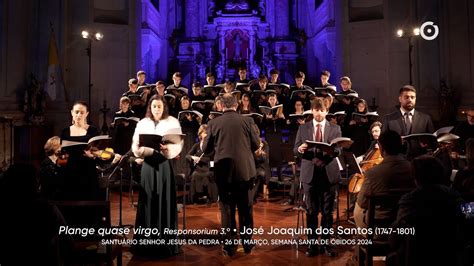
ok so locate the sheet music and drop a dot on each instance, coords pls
(453, 174)
(358, 166)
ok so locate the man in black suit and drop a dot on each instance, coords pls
(234, 140)
(319, 172)
(407, 120)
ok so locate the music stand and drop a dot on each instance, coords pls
(298, 201)
(358, 170)
(119, 166)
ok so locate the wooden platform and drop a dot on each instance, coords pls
(266, 214)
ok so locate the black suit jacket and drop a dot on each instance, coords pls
(421, 123)
(203, 164)
(233, 139)
(306, 132)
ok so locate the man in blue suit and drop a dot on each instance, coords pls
(319, 172)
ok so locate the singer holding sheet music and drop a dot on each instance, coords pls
(157, 200)
(359, 128)
(406, 120)
(80, 173)
(319, 172)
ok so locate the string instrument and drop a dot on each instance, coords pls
(260, 151)
(109, 159)
(105, 155)
(62, 159)
(374, 157)
(447, 144)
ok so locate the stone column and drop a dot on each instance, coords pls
(252, 46)
(282, 13)
(191, 19)
(340, 40)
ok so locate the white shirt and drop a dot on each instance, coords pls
(323, 125)
(147, 126)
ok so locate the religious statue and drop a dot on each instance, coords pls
(261, 7)
(255, 69)
(220, 71)
(237, 43)
(34, 102)
(201, 70)
(211, 8)
(269, 66)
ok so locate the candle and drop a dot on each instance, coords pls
(248, 57)
(225, 53)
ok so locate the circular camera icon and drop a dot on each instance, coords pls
(429, 31)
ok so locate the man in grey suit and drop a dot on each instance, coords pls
(233, 139)
(407, 120)
(319, 172)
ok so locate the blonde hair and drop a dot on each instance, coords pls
(202, 129)
(51, 145)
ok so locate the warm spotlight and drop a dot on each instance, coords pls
(85, 34)
(99, 36)
(416, 31)
(400, 33)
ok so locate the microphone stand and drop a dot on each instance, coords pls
(116, 168)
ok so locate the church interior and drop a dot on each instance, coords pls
(101, 64)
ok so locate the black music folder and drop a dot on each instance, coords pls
(270, 110)
(194, 113)
(306, 115)
(257, 118)
(296, 94)
(154, 140)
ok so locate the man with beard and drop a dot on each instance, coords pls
(407, 120)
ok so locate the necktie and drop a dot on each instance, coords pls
(407, 123)
(318, 135)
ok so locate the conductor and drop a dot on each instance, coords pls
(233, 139)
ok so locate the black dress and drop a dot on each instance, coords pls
(122, 132)
(359, 133)
(190, 129)
(51, 179)
(273, 136)
(80, 174)
(201, 176)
